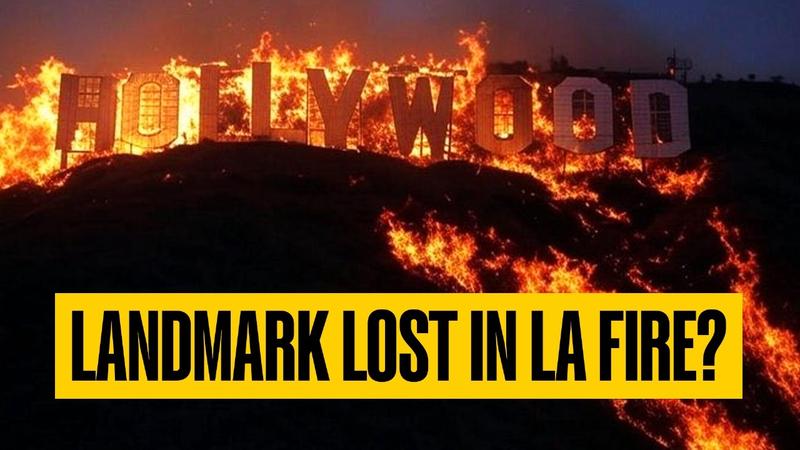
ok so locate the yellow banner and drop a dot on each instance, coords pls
(398, 346)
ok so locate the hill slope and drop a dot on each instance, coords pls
(270, 217)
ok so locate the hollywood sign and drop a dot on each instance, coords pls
(150, 106)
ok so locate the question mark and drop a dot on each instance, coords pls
(720, 325)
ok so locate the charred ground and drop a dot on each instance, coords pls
(270, 217)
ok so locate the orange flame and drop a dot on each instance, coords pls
(584, 128)
(680, 184)
(28, 137)
(443, 254)
(773, 347)
(564, 275)
(450, 257)
(695, 426)
(27, 134)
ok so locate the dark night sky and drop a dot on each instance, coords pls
(735, 37)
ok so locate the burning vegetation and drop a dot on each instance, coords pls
(466, 251)
(451, 258)
(462, 260)
(28, 133)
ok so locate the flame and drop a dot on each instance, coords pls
(542, 125)
(773, 347)
(563, 275)
(680, 184)
(548, 166)
(84, 136)
(27, 134)
(450, 257)
(706, 425)
(636, 276)
(584, 128)
(694, 425)
(443, 253)
(189, 97)
(561, 172)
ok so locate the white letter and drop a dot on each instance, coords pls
(86, 100)
(660, 110)
(150, 110)
(504, 114)
(579, 99)
(408, 119)
(336, 114)
(209, 101)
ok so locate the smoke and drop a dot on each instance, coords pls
(591, 35)
(102, 37)
(97, 35)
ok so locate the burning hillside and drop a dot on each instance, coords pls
(272, 217)
(331, 99)
(28, 134)
(282, 217)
